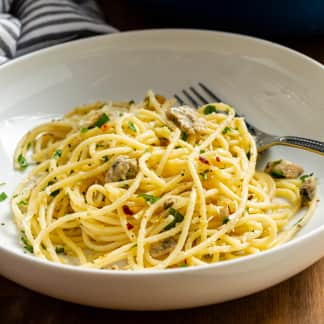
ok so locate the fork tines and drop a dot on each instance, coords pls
(194, 96)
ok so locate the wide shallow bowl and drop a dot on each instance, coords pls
(278, 89)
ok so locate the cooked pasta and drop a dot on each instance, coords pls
(125, 185)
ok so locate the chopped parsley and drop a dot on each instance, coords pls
(277, 174)
(57, 154)
(226, 220)
(84, 129)
(178, 218)
(22, 162)
(131, 102)
(27, 246)
(55, 193)
(299, 220)
(99, 145)
(105, 158)
(103, 119)
(202, 151)
(227, 130)
(204, 174)
(305, 176)
(22, 203)
(209, 110)
(132, 127)
(184, 136)
(150, 199)
(248, 155)
(3, 196)
(59, 249)
(28, 145)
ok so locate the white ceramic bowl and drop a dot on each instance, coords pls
(278, 89)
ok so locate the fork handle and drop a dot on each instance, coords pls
(303, 143)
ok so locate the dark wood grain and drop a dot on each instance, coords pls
(299, 300)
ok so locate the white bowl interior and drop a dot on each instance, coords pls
(278, 90)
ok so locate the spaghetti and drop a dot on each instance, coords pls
(126, 185)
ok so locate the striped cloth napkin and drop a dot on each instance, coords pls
(29, 25)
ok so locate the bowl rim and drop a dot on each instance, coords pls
(157, 272)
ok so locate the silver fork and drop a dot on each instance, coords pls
(263, 140)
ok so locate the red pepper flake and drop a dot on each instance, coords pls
(218, 159)
(129, 226)
(104, 127)
(203, 160)
(127, 210)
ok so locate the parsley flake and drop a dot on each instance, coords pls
(209, 110)
(277, 174)
(305, 176)
(178, 218)
(204, 174)
(184, 136)
(59, 249)
(150, 199)
(84, 129)
(55, 192)
(226, 220)
(103, 119)
(131, 102)
(132, 127)
(227, 130)
(3, 196)
(22, 162)
(27, 246)
(57, 154)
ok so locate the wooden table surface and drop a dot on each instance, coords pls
(299, 300)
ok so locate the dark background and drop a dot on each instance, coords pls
(287, 24)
